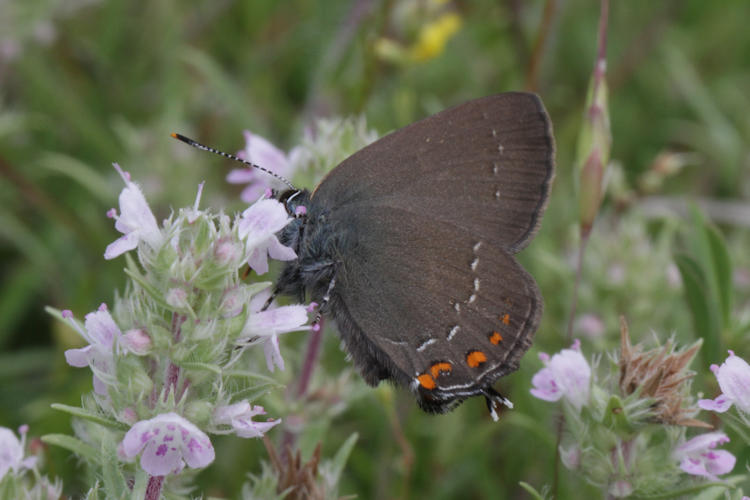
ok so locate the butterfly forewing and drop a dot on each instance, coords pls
(485, 165)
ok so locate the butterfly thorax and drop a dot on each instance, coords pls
(315, 243)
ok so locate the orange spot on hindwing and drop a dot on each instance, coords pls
(426, 381)
(475, 358)
(440, 367)
(506, 319)
(496, 338)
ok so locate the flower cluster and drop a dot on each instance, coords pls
(163, 359)
(14, 465)
(609, 434)
(323, 146)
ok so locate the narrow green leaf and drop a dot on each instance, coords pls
(80, 172)
(91, 417)
(531, 490)
(113, 481)
(140, 485)
(75, 445)
(341, 457)
(252, 375)
(252, 394)
(134, 273)
(191, 365)
(695, 490)
(722, 269)
(705, 321)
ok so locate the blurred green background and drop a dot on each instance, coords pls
(84, 83)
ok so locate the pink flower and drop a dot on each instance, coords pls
(734, 380)
(258, 227)
(567, 375)
(136, 221)
(101, 332)
(590, 325)
(266, 326)
(167, 441)
(12, 451)
(699, 458)
(264, 154)
(137, 341)
(240, 415)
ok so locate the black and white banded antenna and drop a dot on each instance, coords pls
(198, 145)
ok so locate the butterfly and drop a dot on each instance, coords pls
(408, 245)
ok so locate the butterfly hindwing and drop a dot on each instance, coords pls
(445, 313)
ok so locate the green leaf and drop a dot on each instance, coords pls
(80, 172)
(192, 365)
(81, 449)
(531, 490)
(705, 320)
(134, 273)
(341, 457)
(722, 271)
(254, 393)
(252, 375)
(694, 491)
(91, 417)
(140, 485)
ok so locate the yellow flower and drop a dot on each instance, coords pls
(433, 37)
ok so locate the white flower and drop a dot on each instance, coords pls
(136, 221)
(699, 458)
(567, 375)
(258, 226)
(268, 324)
(101, 332)
(11, 451)
(734, 380)
(240, 415)
(261, 152)
(168, 441)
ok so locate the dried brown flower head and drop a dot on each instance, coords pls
(662, 374)
(298, 479)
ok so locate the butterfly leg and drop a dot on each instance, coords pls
(270, 299)
(323, 304)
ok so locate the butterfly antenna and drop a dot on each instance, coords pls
(198, 145)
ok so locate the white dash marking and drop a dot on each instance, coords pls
(472, 298)
(426, 343)
(500, 148)
(497, 194)
(457, 307)
(476, 284)
(474, 263)
(495, 168)
(476, 247)
(453, 332)
(494, 133)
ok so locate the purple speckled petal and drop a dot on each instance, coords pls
(720, 404)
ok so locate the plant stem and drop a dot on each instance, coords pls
(153, 489)
(532, 75)
(311, 358)
(308, 366)
(579, 272)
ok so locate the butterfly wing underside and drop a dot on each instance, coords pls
(485, 165)
(427, 291)
(446, 317)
